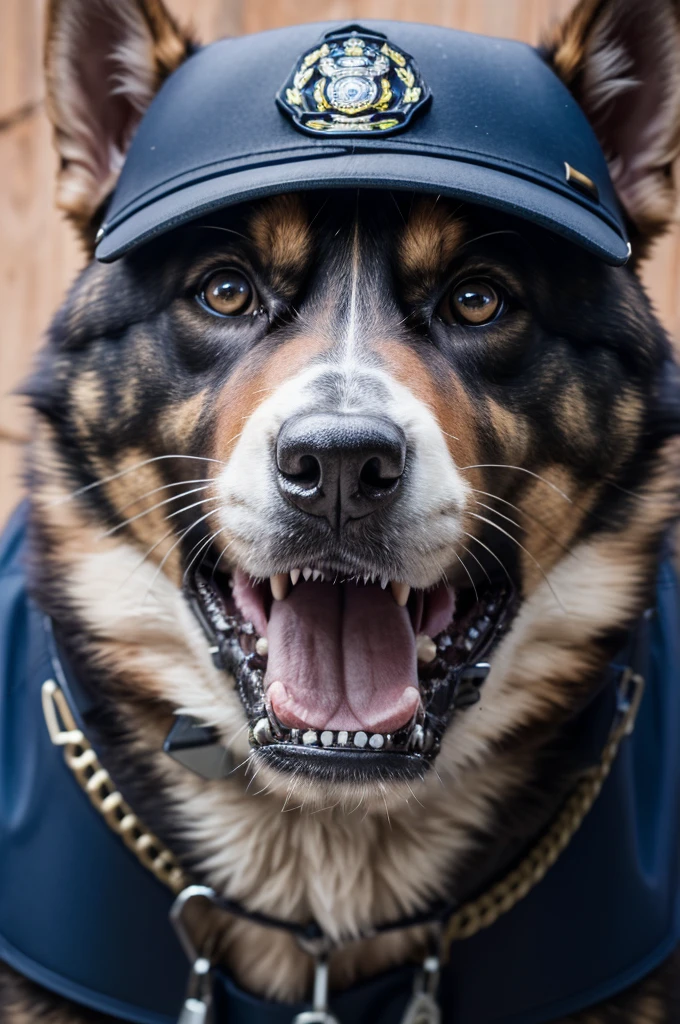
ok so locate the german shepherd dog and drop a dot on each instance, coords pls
(516, 463)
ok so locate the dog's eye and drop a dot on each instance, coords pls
(472, 302)
(228, 292)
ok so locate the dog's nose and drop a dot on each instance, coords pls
(340, 466)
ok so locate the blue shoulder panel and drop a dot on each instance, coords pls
(78, 912)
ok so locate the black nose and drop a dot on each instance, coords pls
(340, 466)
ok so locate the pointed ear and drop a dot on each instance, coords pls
(621, 60)
(104, 61)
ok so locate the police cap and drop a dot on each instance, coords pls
(378, 105)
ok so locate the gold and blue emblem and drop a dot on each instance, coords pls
(355, 82)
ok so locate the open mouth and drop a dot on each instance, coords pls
(349, 671)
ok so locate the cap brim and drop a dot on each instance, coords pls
(486, 186)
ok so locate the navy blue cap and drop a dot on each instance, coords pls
(383, 104)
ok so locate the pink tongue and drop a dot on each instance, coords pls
(341, 657)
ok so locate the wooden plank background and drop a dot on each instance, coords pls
(39, 256)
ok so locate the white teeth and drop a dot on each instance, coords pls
(294, 576)
(306, 573)
(417, 738)
(326, 738)
(400, 592)
(426, 648)
(343, 736)
(262, 646)
(316, 575)
(309, 738)
(279, 585)
(377, 741)
(262, 732)
(360, 739)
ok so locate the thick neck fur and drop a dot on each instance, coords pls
(346, 863)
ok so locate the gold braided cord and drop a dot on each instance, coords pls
(105, 798)
(469, 919)
(484, 911)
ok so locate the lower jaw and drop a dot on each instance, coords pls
(350, 767)
(450, 683)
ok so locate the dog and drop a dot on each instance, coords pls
(353, 435)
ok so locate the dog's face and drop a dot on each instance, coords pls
(392, 449)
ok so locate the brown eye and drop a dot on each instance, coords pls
(228, 293)
(472, 302)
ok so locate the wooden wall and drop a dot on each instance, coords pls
(38, 255)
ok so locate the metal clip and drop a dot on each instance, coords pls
(319, 1013)
(423, 1007)
(198, 1003)
(628, 699)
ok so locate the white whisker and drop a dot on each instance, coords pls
(525, 550)
(159, 504)
(520, 469)
(492, 553)
(164, 487)
(130, 469)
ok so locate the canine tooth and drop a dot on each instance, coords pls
(262, 731)
(262, 646)
(294, 576)
(279, 585)
(383, 582)
(400, 592)
(326, 738)
(316, 575)
(377, 741)
(426, 648)
(306, 573)
(343, 736)
(360, 739)
(417, 737)
(309, 737)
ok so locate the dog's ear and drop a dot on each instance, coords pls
(104, 61)
(621, 60)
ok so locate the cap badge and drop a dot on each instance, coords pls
(354, 83)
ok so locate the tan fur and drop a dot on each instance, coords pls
(431, 237)
(282, 236)
(510, 430)
(441, 391)
(180, 420)
(86, 398)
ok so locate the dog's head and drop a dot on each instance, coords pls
(398, 453)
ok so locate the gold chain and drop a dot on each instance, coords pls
(97, 783)
(478, 914)
(469, 919)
